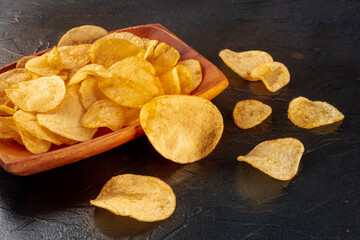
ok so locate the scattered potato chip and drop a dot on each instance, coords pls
(249, 113)
(133, 39)
(182, 128)
(47, 64)
(149, 46)
(195, 68)
(90, 70)
(164, 58)
(90, 92)
(108, 51)
(243, 62)
(185, 78)
(144, 198)
(16, 75)
(133, 83)
(75, 56)
(21, 62)
(65, 120)
(278, 158)
(104, 113)
(309, 114)
(39, 95)
(274, 75)
(82, 35)
(170, 82)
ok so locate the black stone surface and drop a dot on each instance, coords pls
(217, 197)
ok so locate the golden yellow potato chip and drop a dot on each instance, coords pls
(7, 132)
(278, 158)
(75, 56)
(3, 96)
(90, 92)
(104, 113)
(28, 121)
(170, 82)
(39, 95)
(133, 83)
(31, 143)
(108, 51)
(149, 46)
(90, 70)
(182, 128)
(249, 113)
(144, 198)
(16, 75)
(47, 64)
(131, 115)
(185, 78)
(164, 58)
(243, 62)
(82, 35)
(274, 75)
(21, 62)
(195, 68)
(309, 114)
(133, 39)
(65, 120)
(6, 110)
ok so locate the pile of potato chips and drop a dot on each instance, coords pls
(91, 79)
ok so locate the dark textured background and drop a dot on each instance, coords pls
(217, 197)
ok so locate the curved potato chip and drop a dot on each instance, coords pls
(16, 75)
(249, 113)
(170, 82)
(278, 158)
(185, 78)
(90, 70)
(75, 56)
(164, 58)
(82, 35)
(243, 63)
(22, 61)
(65, 120)
(182, 128)
(104, 113)
(274, 75)
(131, 115)
(195, 68)
(7, 132)
(309, 114)
(39, 95)
(133, 83)
(108, 51)
(144, 198)
(135, 40)
(149, 46)
(47, 64)
(90, 92)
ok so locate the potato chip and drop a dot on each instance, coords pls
(185, 78)
(274, 75)
(104, 113)
(249, 113)
(164, 58)
(131, 115)
(82, 35)
(90, 92)
(144, 198)
(7, 132)
(278, 158)
(182, 128)
(108, 51)
(309, 114)
(149, 46)
(28, 121)
(32, 143)
(90, 70)
(170, 82)
(16, 75)
(133, 39)
(243, 62)
(65, 120)
(47, 64)
(133, 83)
(195, 68)
(21, 62)
(75, 56)
(6, 110)
(39, 95)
